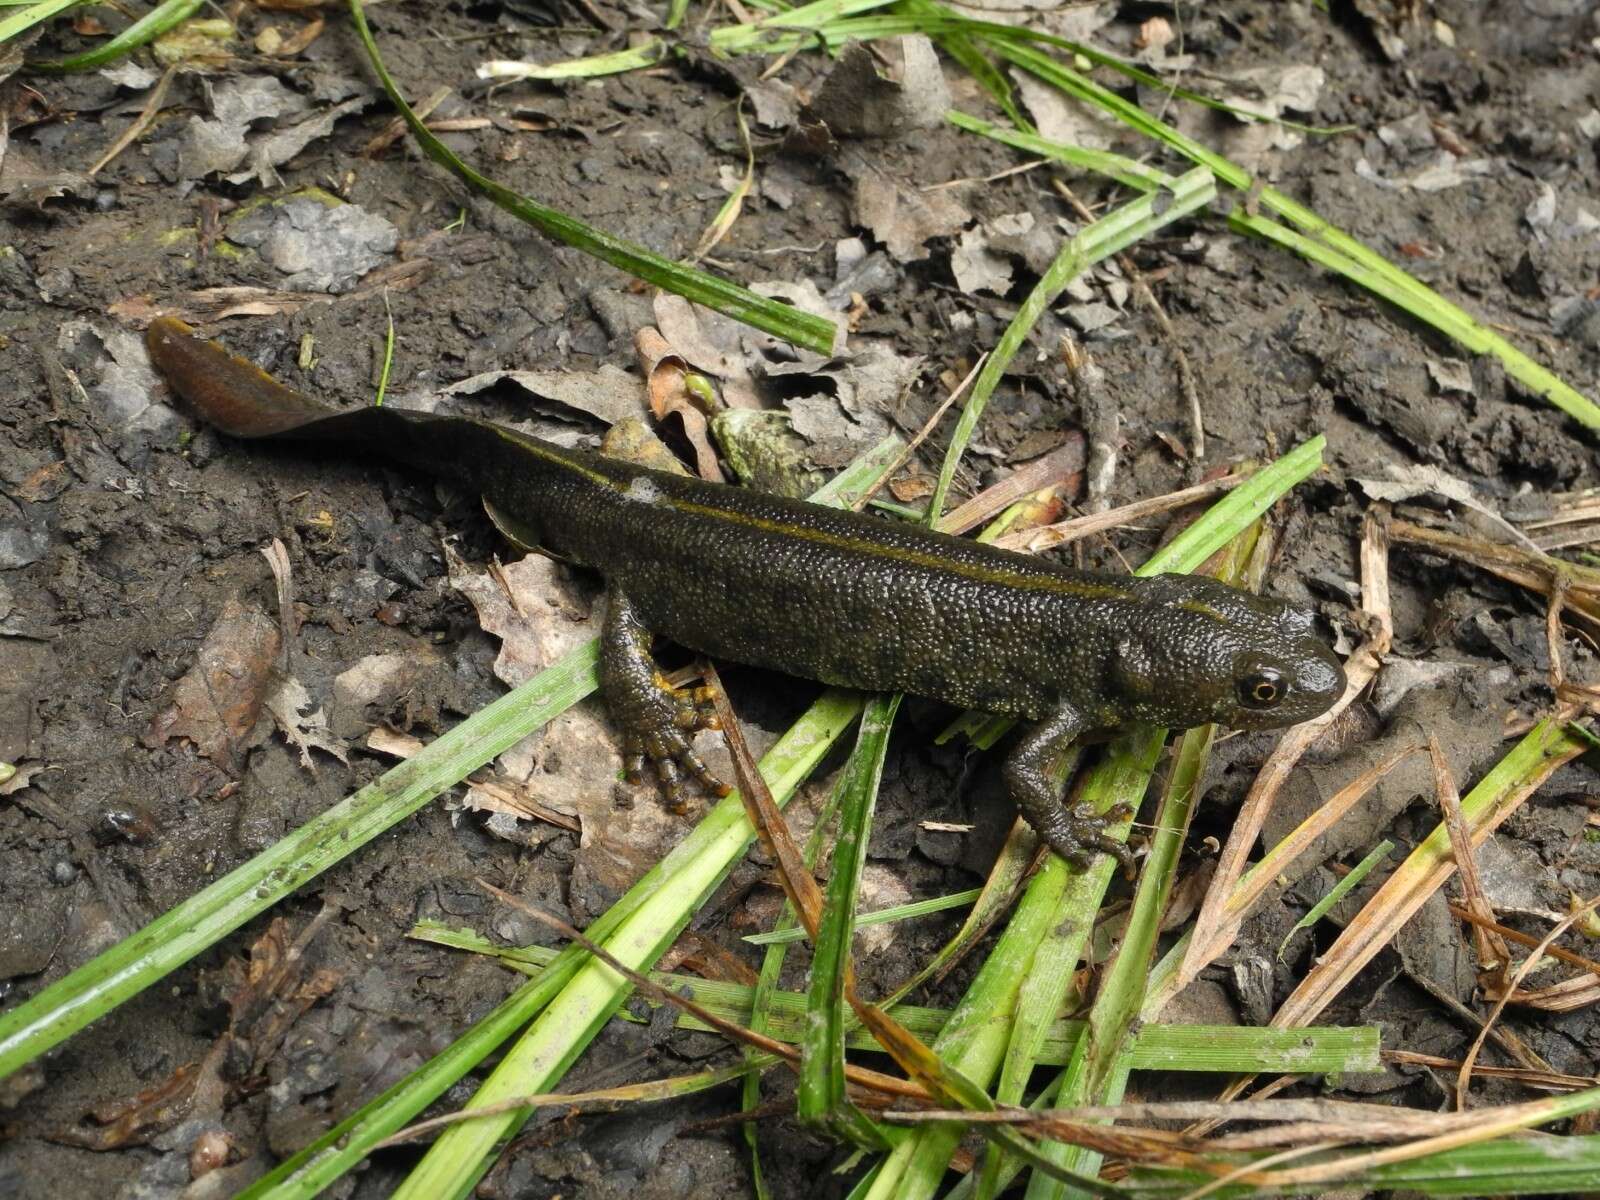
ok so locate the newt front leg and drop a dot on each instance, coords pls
(1071, 833)
(656, 719)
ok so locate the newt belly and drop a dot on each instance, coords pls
(828, 595)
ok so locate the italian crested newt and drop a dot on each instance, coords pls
(828, 595)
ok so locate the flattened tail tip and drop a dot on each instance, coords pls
(166, 327)
(224, 390)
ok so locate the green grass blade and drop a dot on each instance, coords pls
(1388, 280)
(199, 922)
(1102, 162)
(1115, 231)
(820, 1095)
(1327, 247)
(561, 1031)
(881, 916)
(20, 23)
(783, 320)
(1338, 891)
(167, 15)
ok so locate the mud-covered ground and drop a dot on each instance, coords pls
(125, 530)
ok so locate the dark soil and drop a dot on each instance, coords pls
(124, 529)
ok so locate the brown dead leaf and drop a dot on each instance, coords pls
(375, 683)
(707, 958)
(216, 703)
(130, 1122)
(46, 483)
(860, 99)
(666, 381)
(531, 607)
(711, 343)
(903, 218)
(911, 488)
(303, 725)
(607, 393)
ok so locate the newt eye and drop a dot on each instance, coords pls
(1261, 689)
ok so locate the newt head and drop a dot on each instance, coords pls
(1198, 651)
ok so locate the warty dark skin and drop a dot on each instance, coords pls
(829, 595)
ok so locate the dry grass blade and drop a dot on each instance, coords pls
(602, 1099)
(1045, 537)
(1497, 796)
(1492, 952)
(1061, 469)
(1537, 572)
(1550, 1081)
(146, 117)
(765, 815)
(1524, 939)
(1490, 1124)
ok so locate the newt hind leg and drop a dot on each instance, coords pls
(657, 720)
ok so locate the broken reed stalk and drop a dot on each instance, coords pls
(1539, 573)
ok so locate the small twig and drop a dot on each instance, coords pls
(1019, 169)
(1047, 536)
(1102, 422)
(928, 427)
(1186, 383)
(147, 114)
(396, 128)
